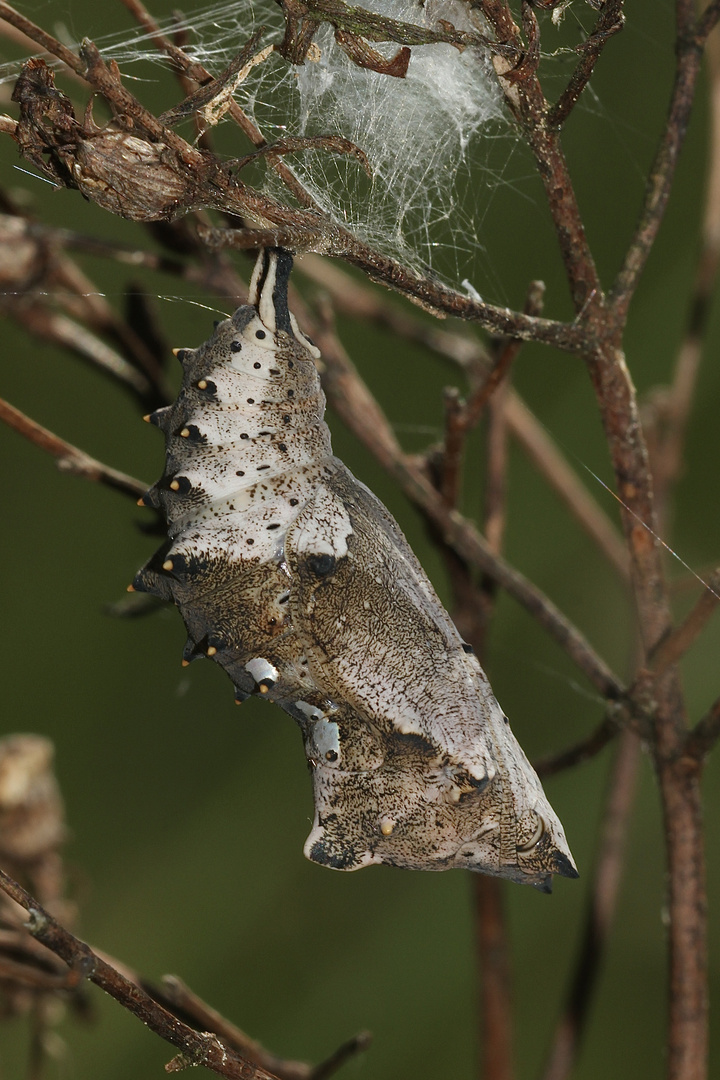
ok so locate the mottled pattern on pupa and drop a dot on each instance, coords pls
(292, 576)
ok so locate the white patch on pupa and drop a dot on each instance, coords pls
(323, 528)
(262, 670)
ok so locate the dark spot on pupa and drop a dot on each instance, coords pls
(244, 435)
(260, 334)
(240, 472)
(282, 446)
(251, 401)
(257, 366)
(291, 393)
(290, 364)
(275, 525)
(274, 370)
(235, 346)
(293, 502)
(467, 648)
(321, 565)
(250, 540)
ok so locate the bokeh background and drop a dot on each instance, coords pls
(188, 816)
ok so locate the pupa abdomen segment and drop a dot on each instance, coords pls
(291, 575)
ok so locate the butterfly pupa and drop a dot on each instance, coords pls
(292, 575)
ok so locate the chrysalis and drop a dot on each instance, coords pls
(291, 575)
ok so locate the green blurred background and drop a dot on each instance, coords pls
(188, 816)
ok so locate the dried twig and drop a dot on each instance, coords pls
(601, 910)
(677, 643)
(704, 735)
(610, 21)
(69, 458)
(582, 751)
(196, 1048)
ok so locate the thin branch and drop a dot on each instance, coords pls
(543, 451)
(662, 173)
(580, 752)
(312, 233)
(610, 21)
(181, 1001)
(69, 458)
(495, 996)
(601, 910)
(491, 928)
(671, 408)
(704, 735)
(197, 1048)
(505, 357)
(677, 643)
(344, 1053)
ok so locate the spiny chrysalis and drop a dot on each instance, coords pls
(293, 577)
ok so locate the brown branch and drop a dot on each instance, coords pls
(69, 458)
(580, 752)
(196, 1048)
(610, 20)
(677, 643)
(179, 999)
(312, 233)
(182, 1002)
(601, 910)
(495, 990)
(376, 27)
(662, 173)
(344, 1053)
(555, 468)
(505, 356)
(704, 735)
(491, 929)
(671, 407)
